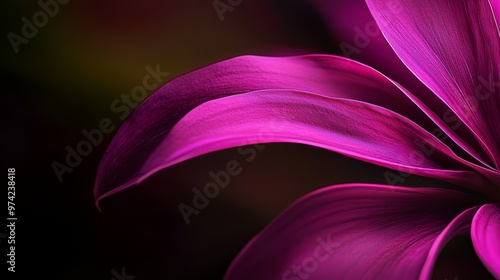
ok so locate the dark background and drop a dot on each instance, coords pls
(64, 80)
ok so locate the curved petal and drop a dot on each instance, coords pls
(325, 75)
(453, 47)
(360, 39)
(459, 226)
(353, 128)
(387, 232)
(485, 235)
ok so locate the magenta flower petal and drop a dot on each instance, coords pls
(495, 4)
(320, 75)
(361, 40)
(459, 226)
(354, 232)
(453, 47)
(485, 235)
(349, 127)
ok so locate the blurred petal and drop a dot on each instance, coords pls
(452, 47)
(386, 232)
(353, 128)
(485, 235)
(361, 40)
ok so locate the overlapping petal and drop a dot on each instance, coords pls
(349, 127)
(361, 231)
(322, 75)
(355, 231)
(453, 47)
(485, 235)
(354, 128)
(360, 39)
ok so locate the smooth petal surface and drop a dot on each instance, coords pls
(357, 129)
(349, 127)
(485, 235)
(453, 48)
(324, 75)
(360, 39)
(353, 231)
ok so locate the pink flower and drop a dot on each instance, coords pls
(449, 131)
